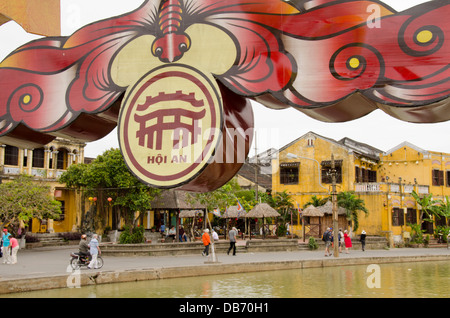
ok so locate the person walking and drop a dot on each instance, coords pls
(341, 240)
(327, 239)
(206, 242)
(94, 249)
(362, 239)
(347, 241)
(14, 249)
(5, 247)
(215, 236)
(232, 235)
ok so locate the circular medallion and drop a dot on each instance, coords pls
(170, 124)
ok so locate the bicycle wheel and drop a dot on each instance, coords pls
(99, 262)
(74, 263)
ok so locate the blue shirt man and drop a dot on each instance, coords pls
(5, 238)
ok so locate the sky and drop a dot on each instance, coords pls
(274, 128)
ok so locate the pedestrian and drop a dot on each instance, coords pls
(94, 249)
(347, 241)
(214, 235)
(14, 250)
(341, 240)
(327, 239)
(362, 239)
(206, 242)
(5, 247)
(232, 235)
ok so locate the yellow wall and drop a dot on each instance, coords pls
(399, 171)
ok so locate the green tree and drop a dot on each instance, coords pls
(443, 209)
(23, 199)
(430, 207)
(109, 177)
(352, 205)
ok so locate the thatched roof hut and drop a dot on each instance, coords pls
(327, 208)
(190, 213)
(232, 213)
(262, 210)
(313, 211)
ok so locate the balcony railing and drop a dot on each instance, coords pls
(367, 187)
(392, 187)
(35, 172)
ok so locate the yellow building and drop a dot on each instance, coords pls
(407, 168)
(47, 164)
(384, 180)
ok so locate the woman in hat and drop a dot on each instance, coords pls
(363, 240)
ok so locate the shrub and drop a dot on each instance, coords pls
(132, 236)
(312, 244)
(70, 236)
(29, 238)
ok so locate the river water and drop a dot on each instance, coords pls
(402, 280)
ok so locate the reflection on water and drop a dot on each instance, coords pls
(423, 279)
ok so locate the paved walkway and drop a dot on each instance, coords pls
(50, 263)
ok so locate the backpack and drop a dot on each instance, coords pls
(324, 236)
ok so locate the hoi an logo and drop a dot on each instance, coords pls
(166, 137)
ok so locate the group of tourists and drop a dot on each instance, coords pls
(343, 239)
(10, 247)
(206, 239)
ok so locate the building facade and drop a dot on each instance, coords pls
(384, 180)
(47, 164)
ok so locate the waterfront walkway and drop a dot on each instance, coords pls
(47, 268)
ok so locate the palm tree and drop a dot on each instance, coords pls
(352, 205)
(429, 207)
(444, 209)
(283, 202)
(315, 201)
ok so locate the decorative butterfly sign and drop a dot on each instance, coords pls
(176, 77)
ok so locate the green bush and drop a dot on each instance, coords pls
(281, 230)
(444, 230)
(132, 236)
(312, 244)
(416, 233)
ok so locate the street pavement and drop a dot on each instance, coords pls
(54, 261)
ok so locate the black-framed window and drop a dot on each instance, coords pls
(38, 158)
(437, 177)
(61, 159)
(364, 175)
(289, 173)
(11, 156)
(411, 216)
(397, 217)
(326, 169)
